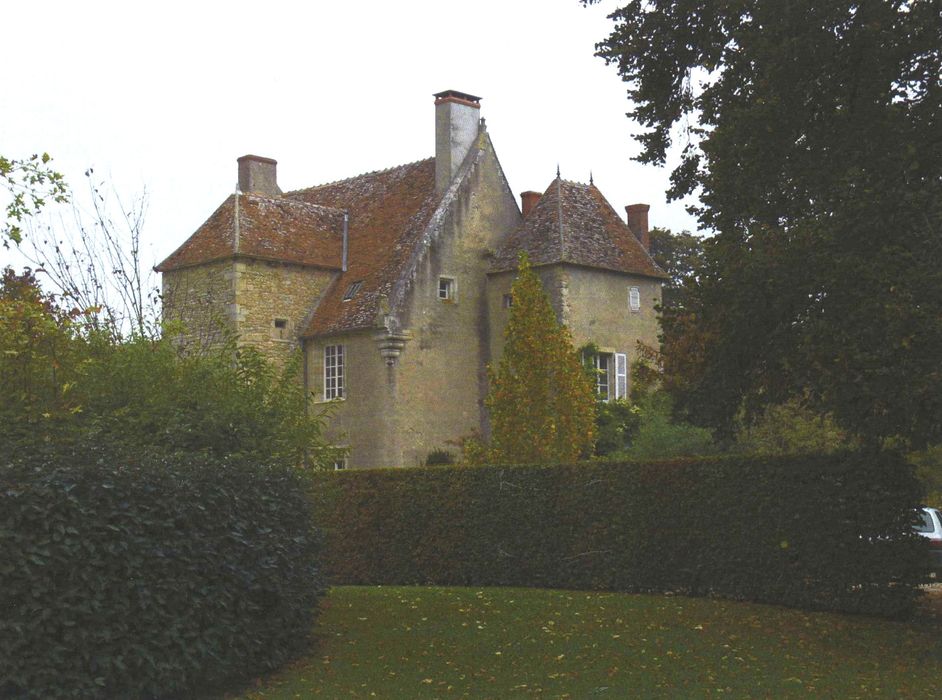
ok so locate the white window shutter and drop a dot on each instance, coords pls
(621, 375)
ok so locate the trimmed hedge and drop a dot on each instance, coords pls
(150, 579)
(820, 532)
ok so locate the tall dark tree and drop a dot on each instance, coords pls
(812, 132)
(680, 255)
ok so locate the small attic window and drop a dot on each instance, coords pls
(634, 298)
(352, 290)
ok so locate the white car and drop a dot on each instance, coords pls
(930, 527)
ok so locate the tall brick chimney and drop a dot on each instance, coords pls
(528, 200)
(638, 223)
(258, 175)
(457, 116)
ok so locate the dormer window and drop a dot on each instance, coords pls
(352, 290)
(446, 288)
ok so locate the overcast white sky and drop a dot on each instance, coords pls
(167, 95)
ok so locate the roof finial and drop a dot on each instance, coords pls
(557, 171)
(591, 181)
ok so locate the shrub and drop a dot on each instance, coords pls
(659, 436)
(63, 382)
(152, 577)
(616, 422)
(823, 532)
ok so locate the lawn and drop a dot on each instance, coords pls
(392, 642)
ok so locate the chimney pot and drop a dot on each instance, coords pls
(457, 120)
(258, 175)
(638, 223)
(528, 200)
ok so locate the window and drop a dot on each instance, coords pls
(603, 361)
(611, 379)
(508, 301)
(621, 375)
(446, 289)
(279, 329)
(634, 298)
(352, 289)
(333, 372)
(340, 464)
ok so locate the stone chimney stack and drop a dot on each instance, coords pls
(258, 175)
(638, 223)
(528, 200)
(457, 117)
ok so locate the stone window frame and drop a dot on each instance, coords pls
(448, 285)
(280, 329)
(334, 372)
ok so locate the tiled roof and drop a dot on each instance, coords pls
(574, 223)
(389, 211)
(276, 228)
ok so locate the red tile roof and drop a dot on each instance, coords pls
(389, 211)
(276, 228)
(574, 223)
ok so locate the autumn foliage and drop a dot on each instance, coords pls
(541, 402)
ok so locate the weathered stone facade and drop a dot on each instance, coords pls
(403, 274)
(597, 309)
(262, 303)
(201, 300)
(273, 301)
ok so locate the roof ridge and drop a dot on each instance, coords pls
(292, 200)
(559, 214)
(444, 203)
(364, 174)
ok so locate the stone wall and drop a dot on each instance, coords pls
(366, 419)
(273, 301)
(201, 299)
(442, 370)
(596, 309)
(394, 415)
(592, 303)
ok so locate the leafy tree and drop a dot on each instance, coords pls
(928, 464)
(680, 255)
(812, 132)
(31, 184)
(541, 402)
(790, 428)
(40, 354)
